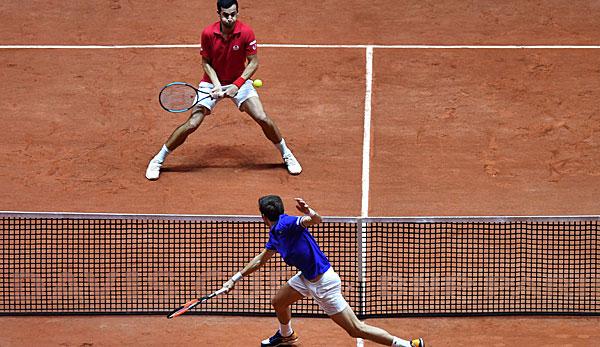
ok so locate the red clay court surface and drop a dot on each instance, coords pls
(454, 132)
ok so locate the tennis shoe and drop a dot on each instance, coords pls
(417, 343)
(278, 340)
(292, 164)
(153, 170)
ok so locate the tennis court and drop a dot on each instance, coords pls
(415, 109)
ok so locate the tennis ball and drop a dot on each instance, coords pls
(257, 83)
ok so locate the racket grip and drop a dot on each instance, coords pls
(221, 291)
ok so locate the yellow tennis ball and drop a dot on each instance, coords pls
(257, 83)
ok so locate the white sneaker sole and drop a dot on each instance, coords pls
(294, 172)
(151, 177)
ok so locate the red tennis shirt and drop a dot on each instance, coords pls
(227, 57)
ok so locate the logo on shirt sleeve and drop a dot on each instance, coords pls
(253, 45)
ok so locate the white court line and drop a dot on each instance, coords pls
(96, 46)
(275, 45)
(366, 156)
(364, 211)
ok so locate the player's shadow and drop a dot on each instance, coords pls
(222, 157)
(202, 166)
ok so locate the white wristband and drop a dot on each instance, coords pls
(238, 276)
(311, 212)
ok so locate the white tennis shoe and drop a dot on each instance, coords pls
(278, 340)
(153, 170)
(292, 164)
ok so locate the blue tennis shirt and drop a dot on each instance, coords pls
(297, 246)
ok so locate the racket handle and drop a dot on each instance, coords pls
(220, 291)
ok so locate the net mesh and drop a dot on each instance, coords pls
(152, 264)
(483, 268)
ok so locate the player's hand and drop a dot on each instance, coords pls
(217, 92)
(231, 91)
(229, 285)
(302, 206)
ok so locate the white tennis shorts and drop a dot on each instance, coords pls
(245, 92)
(327, 291)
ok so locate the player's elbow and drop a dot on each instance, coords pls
(264, 257)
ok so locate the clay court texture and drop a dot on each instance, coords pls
(394, 109)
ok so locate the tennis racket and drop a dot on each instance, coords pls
(179, 97)
(193, 303)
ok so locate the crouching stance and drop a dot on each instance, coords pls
(289, 236)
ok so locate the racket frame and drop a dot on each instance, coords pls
(193, 303)
(200, 95)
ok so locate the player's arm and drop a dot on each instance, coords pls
(251, 67)
(261, 259)
(249, 70)
(212, 74)
(311, 217)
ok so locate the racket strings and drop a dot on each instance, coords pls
(178, 97)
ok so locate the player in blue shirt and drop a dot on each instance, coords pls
(289, 236)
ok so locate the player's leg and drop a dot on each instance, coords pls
(281, 302)
(254, 108)
(357, 329)
(327, 293)
(177, 138)
(180, 134)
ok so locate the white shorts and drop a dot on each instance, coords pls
(327, 291)
(246, 91)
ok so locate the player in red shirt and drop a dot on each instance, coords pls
(226, 46)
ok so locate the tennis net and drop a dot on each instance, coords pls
(59, 263)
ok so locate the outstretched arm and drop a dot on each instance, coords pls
(311, 216)
(254, 264)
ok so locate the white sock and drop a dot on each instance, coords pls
(282, 148)
(285, 329)
(162, 155)
(398, 342)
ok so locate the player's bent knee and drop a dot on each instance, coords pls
(194, 122)
(278, 304)
(357, 331)
(275, 303)
(264, 122)
(191, 126)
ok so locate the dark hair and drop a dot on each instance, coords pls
(227, 4)
(271, 206)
